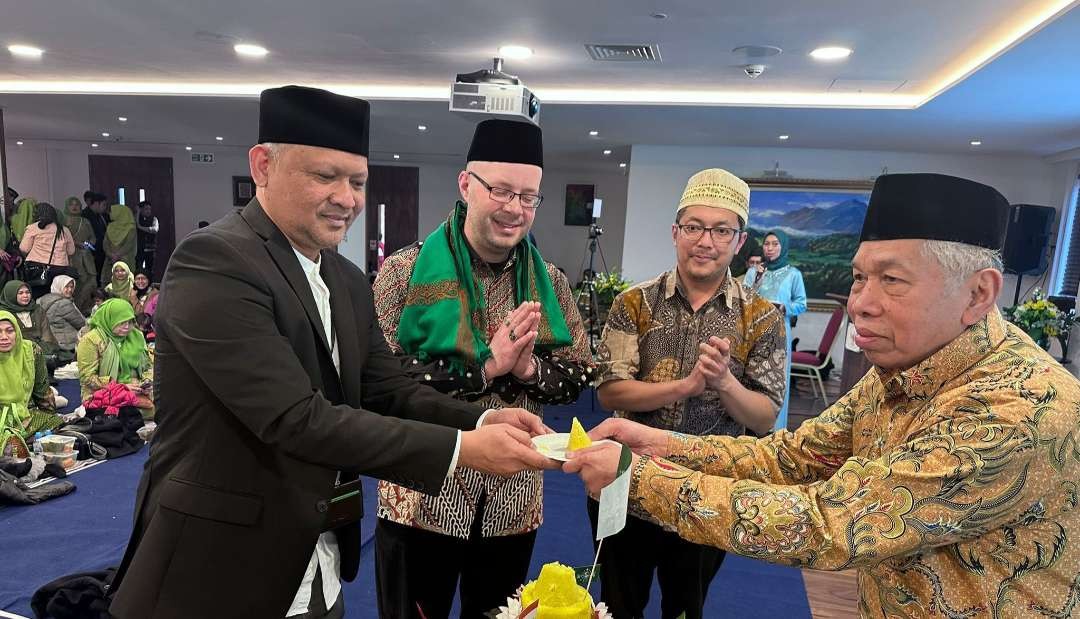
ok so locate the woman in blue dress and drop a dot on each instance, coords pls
(782, 284)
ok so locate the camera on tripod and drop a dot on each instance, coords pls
(587, 300)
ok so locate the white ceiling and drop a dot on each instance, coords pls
(1026, 101)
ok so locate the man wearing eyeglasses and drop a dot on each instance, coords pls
(694, 352)
(474, 311)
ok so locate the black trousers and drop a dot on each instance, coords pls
(414, 566)
(629, 558)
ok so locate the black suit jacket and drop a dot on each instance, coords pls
(254, 425)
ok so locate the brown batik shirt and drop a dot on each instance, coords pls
(652, 335)
(952, 486)
(512, 505)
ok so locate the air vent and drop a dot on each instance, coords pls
(624, 53)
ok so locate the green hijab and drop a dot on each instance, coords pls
(123, 358)
(121, 289)
(63, 216)
(9, 298)
(16, 367)
(23, 217)
(122, 224)
(17, 376)
(781, 260)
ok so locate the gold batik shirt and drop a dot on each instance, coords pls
(951, 486)
(512, 505)
(652, 335)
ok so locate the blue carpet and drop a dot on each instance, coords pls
(88, 530)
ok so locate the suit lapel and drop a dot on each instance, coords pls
(285, 258)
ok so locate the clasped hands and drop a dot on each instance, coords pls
(598, 464)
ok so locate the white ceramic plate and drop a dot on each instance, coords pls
(554, 445)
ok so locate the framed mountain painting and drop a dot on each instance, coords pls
(823, 220)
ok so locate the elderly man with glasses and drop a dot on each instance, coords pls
(475, 312)
(691, 351)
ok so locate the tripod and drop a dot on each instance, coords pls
(587, 300)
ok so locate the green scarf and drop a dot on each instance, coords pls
(444, 307)
(121, 289)
(9, 298)
(781, 260)
(63, 215)
(23, 217)
(16, 371)
(123, 358)
(122, 224)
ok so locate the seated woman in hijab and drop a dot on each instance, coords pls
(114, 350)
(64, 318)
(16, 298)
(144, 291)
(122, 284)
(26, 402)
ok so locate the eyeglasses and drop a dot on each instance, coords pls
(694, 232)
(505, 196)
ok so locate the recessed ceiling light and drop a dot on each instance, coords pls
(830, 53)
(122, 119)
(515, 52)
(658, 15)
(250, 51)
(622, 165)
(187, 148)
(594, 133)
(397, 156)
(607, 151)
(421, 127)
(25, 51)
(976, 142)
(94, 145)
(784, 137)
(104, 134)
(219, 138)
(18, 143)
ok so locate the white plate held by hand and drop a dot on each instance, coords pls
(554, 445)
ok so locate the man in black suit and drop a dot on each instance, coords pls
(274, 385)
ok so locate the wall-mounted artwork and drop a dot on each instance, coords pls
(823, 219)
(579, 204)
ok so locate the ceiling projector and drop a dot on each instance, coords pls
(490, 91)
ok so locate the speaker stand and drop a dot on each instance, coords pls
(1016, 296)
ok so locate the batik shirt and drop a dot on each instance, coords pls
(652, 335)
(951, 486)
(512, 505)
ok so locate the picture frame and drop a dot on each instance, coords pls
(579, 205)
(823, 220)
(243, 190)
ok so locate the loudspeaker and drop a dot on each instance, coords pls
(1028, 239)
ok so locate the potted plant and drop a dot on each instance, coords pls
(1041, 319)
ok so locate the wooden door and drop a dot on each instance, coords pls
(149, 177)
(398, 187)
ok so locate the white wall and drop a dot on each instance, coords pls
(658, 175)
(54, 171)
(563, 245)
